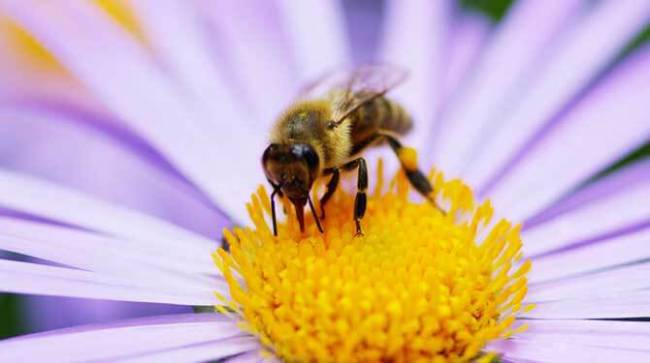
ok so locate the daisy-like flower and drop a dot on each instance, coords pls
(552, 269)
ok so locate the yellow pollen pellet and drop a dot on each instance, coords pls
(417, 287)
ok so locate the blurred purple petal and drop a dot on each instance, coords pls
(607, 123)
(202, 352)
(31, 278)
(594, 254)
(609, 282)
(468, 35)
(619, 199)
(31, 195)
(316, 36)
(581, 55)
(578, 341)
(254, 54)
(415, 38)
(45, 139)
(92, 46)
(121, 339)
(251, 357)
(517, 44)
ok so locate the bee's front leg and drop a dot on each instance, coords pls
(331, 188)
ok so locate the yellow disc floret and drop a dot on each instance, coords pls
(418, 286)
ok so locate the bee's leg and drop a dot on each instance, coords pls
(331, 188)
(362, 184)
(407, 159)
(276, 190)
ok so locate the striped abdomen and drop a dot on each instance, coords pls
(380, 113)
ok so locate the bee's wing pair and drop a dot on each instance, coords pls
(351, 89)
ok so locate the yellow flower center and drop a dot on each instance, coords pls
(418, 286)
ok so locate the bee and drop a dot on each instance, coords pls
(325, 131)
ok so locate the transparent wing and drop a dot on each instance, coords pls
(351, 89)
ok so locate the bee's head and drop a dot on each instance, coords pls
(293, 168)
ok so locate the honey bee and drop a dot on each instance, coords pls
(327, 129)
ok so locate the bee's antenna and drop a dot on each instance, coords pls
(313, 213)
(276, 189)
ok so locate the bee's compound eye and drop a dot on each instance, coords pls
(270, 150)
(306, 153)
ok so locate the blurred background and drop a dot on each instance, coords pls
(32, 147)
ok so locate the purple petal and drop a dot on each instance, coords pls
(91, 46)
(317, 46)
(30, 278)
(131, 173)
(251, 357)
(27, 194)
(577, 341)
(122, 339)
(467, 38)
(609, 122)
(623, 305)
(593, 255)
(255, 53)
(98, 253)
(619, 201)
(415, 37)
(514, 48)
(582, 54)
(609, 282)
(202, 352)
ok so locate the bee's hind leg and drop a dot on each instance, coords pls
(409, 163)
(331, 188)
(360, 200)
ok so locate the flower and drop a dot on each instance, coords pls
(530, 122)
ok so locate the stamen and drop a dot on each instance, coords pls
(418, 286)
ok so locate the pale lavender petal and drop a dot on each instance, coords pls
(577, 341)
(255, 53)
(609, 282)
(415, 38)
(604, 188)
(27, 194)
(469, 33)
(621, 206)
(622, 305)
(99, 253)
(518, 42)
(251, 357)
(115, 165)
(201, 352)
(316, 35)
(607, 123)
(30, 278)
(91, 46)
(121, 339)
(592, 255)
(578, 59)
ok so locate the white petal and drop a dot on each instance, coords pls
(514, 48)
(621, 206)
(121, 340)
(579, 57)
(593, 255)
(30, 278)
(607, 123)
